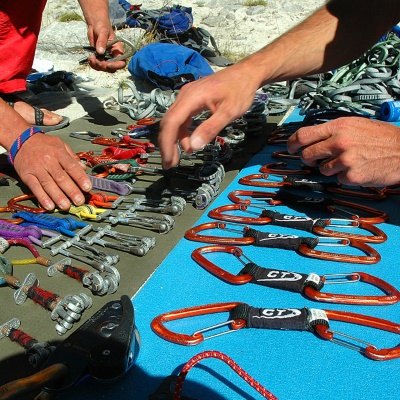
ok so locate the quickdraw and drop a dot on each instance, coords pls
(319, 226)
(303, 245)
(261, 180)
(241, 315)
(309, 285)
(346, 208)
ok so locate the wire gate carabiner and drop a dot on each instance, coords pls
(303, 245)
(309, 285)
(265, 180)
(284, 197)
(317, 225)
(242, 315)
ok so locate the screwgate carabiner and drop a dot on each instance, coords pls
(309, 285)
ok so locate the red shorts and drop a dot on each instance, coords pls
(19, 30)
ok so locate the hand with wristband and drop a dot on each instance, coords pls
(44, 162)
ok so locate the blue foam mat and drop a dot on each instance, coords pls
(291, 364)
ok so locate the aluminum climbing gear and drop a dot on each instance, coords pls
(308, 284)
(303, 245)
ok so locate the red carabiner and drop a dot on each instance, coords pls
(285, 155)
(192, 234)
(218, 213)
(392, 294)
(258, 180)
(308, 284)
(317, 226)
(157, 324)
(370, 351)
(14, 204)
(280, 168)
(337, 206)
(371, 257)
(197, 255)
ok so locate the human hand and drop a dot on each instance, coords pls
(359, 151)
(227, 94)
(52, 172)
(100, 35)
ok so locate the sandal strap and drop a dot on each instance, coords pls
(39, 116)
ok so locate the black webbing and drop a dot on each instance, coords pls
(305, 184)
(272, 318)
(294, 221)
(279, 279)
(280, 241)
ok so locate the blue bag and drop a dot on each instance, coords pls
(168, 66)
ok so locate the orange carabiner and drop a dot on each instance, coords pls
(392, 295)
(14, 204)
(317, 225)
(370, 350)
(280, 168)
(336, 206)
(193, 234)
(157, 324)
(218, 213)
(309, 285)
(239, 279)
(371, 255)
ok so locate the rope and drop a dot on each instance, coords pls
(227, 360)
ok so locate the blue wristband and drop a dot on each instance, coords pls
(21, 139)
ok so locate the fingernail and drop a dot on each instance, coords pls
(78, 200)
(101, 50)
(48, 205)
(87, 186)
(64, 204)
(197, 143)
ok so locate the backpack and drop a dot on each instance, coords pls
(166, 20)
(168, 66)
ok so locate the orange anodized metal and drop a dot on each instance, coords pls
(198, 256)
(392, 295)
(370, 350)
(218, 213)
(337, 206)
(158, 323)
(280, 168)
(378, 236)
(14, 204)
(371, 255)
(193, 234)
(319, 226)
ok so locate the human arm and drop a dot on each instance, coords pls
(358, 150)
(334, 35)
(44, 163)
(99, 33)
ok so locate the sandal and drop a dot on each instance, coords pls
(11, 98)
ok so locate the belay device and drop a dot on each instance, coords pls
(104, 347)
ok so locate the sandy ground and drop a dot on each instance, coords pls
(238, 30)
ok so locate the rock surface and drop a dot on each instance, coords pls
(238, 29)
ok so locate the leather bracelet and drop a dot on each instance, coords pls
(21, 139)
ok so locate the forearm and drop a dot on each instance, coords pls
(94, 10)
(334, 35)
(12, 125)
